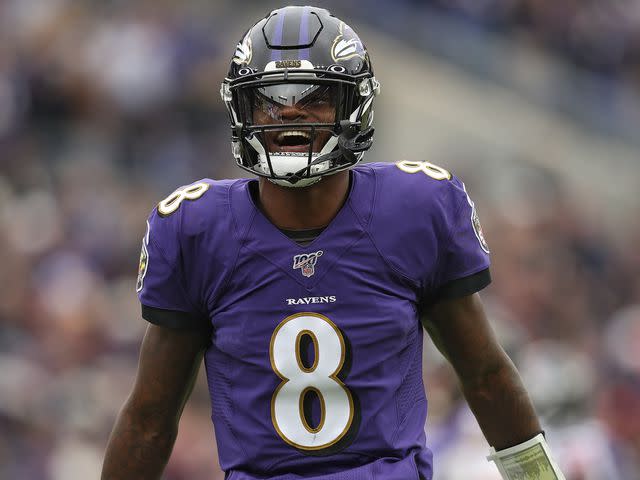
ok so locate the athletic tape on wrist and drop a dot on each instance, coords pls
(530, 460)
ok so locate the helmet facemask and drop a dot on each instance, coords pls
(290, 125)
(289, 132)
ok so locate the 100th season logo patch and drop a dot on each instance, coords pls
(306, 262)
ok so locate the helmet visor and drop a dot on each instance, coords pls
(292, 103)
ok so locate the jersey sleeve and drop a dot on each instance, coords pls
(463, 255)
(162, 282)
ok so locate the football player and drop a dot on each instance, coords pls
(306, 290)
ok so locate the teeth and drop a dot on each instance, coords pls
(291, 133)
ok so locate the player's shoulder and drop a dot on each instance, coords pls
(419, 182)
(194, 208)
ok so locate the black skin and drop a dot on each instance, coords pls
(489, 380)
(146, 428)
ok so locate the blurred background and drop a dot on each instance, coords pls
(107, 106)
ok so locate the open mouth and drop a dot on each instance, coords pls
(296, 141)
(292, 139)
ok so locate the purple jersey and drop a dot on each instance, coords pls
(315, 361)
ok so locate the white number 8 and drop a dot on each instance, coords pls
(434, 171)
(336, 402)
(173, 201)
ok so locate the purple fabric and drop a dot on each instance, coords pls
(397, 238)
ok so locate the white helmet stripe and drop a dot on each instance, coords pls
(256, 144)
(329, 146)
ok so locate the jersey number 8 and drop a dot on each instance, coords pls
(430, 169)
(288, 400)
(172, 202)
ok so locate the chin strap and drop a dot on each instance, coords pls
(350, 142)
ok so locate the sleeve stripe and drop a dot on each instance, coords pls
(462, 287)
(174, 319)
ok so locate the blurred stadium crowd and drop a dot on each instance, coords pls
(591, 47)
(106, 107)
(601, 36)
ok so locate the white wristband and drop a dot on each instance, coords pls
(530, 460)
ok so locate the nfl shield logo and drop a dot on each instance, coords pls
(307, 262)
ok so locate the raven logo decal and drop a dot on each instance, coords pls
(346, 45)
(244, 51)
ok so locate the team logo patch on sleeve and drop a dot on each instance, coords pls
(475, 222)
(477, 228)
(144, 261)
(307, 262)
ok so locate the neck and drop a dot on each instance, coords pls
(304, 208)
